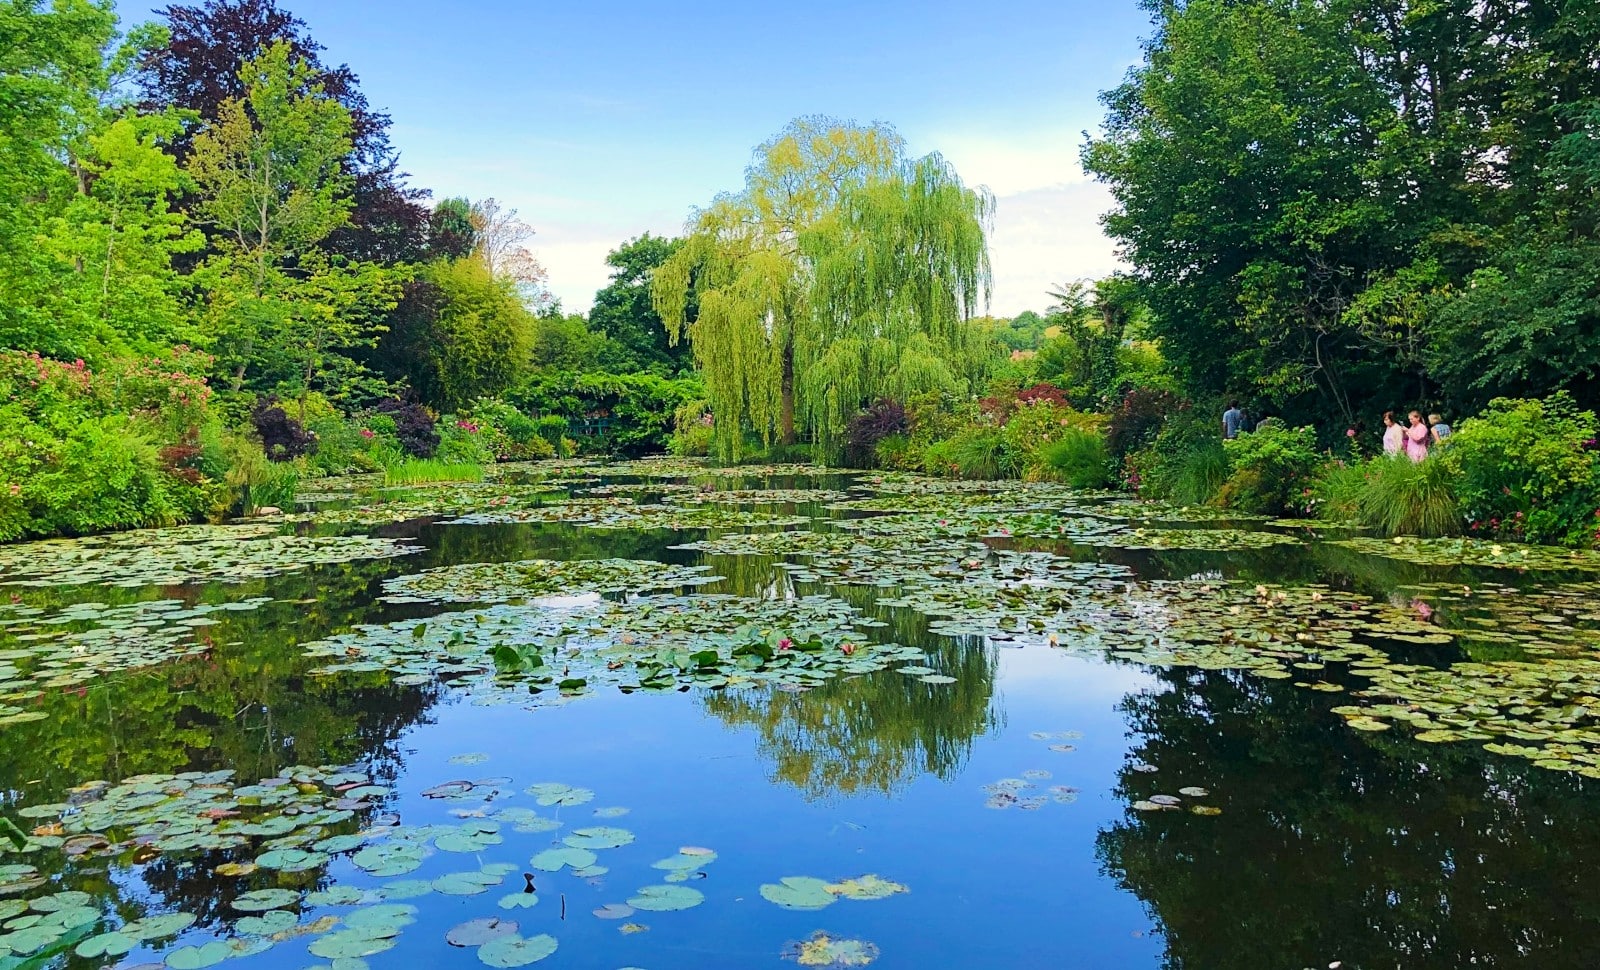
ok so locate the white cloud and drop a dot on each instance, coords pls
(1047, 236)
(1014, 162)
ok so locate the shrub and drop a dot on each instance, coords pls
(282, 437)
(638, 409)
(257, 481)
(1526, 469)
(1270, 470)
(1409, 498)
(1079, 457)
(462, 441)
(861, 436)
(1337, 490)
(1138, 419)
(896, 453)
(512, 435)
(978, 451)
(107, 474)
(420, 471)
(1199, 473)
(1034, 427)
(413, 426)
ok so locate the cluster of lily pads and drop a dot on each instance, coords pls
(506, 582)
(651, 643)
(67, 647)
(190, 554)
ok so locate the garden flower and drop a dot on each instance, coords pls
(785, 643)
(367, 433)
(848, 648)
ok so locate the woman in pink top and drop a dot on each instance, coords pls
(1417, 438)
(1394, 436)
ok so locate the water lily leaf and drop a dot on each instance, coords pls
(268, 923)
(614, 911)
(480, 931)
(666, 898)
(553, 860)
(465, 883)
(385, 917)
(555, 793)
(471, 758)
(519, 901)
(353, 943)
(105, 945)
(598, 838)
(259, 900)
(514, 951)
(390, 859)
(405, 889)
(196, 957)
(867, 887)
(798, 892)
(291, 860)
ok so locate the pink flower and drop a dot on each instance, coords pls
(848, 648)
(16, 490)
(785, 643)
(367, 433)
(1350, 433)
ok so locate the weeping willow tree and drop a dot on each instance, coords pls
(844, 271)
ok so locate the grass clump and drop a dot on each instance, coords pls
(424, 471)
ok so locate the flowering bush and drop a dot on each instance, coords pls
(1528, 470)
(862, 435)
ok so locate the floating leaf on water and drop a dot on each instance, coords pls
(519, 901)
(105, 945)
(471, 758)
(798, 892)
(259, 900)
(268, 923)
(826, 951)
(480, 931)
(353, 943)
(465, 883)
(1193, 792)
(555, 793)
(867, 887)
(1205, 810)
(554, 860)
(514, 951)
(600, 837)
(611, 812)
(666, 898)
(614, 911)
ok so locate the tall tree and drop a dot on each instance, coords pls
(272, 187)
(844, 270)
(198, 69)
(623, 311)
(500, 243)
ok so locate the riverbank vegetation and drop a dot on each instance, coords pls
(217, 285)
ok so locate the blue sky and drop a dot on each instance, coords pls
(599, 121)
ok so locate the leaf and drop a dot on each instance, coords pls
(197, 957)
(105, 945)
(798, 892)
(553, 860)
(600, 837)
(480, 931)
(352, 943)
(867, 887)
(258, 900)
(514, 951)
(666, 898)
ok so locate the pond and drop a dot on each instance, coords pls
(663, 716)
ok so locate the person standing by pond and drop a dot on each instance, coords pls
(1437, 429)
(1417, 437)
(1232, 420)
(1394, 436)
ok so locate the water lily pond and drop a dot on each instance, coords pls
(659, 715)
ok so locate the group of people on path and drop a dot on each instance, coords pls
(1415, 440)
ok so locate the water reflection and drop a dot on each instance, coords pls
(1334, 846)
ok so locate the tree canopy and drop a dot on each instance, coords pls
(844, 270)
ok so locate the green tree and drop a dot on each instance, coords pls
(460, 334)
(623, 310)
(272, 186)
(844, 271)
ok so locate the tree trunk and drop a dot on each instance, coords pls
(786, 407)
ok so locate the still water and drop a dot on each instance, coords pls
(1001, 804)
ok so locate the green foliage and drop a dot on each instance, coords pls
(977, 451)
(463, 441)
(566, 343)
(638, 409)
(1034, 427)
(692, 433)
(843, 272)
(1270, 470)
(1526, 469)
(1078, 457)
(512, 435)
(1409, 498)
(1313, 232)
(635, 337)
(421, 471)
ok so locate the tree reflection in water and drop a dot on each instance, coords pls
(1371, 849)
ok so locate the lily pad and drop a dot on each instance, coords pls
(666, 898)
(514, 951)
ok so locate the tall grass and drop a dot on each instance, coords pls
(1408, 498)
(1080, 458)
(1338, 491)
(423, 471)
(1200, 473)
